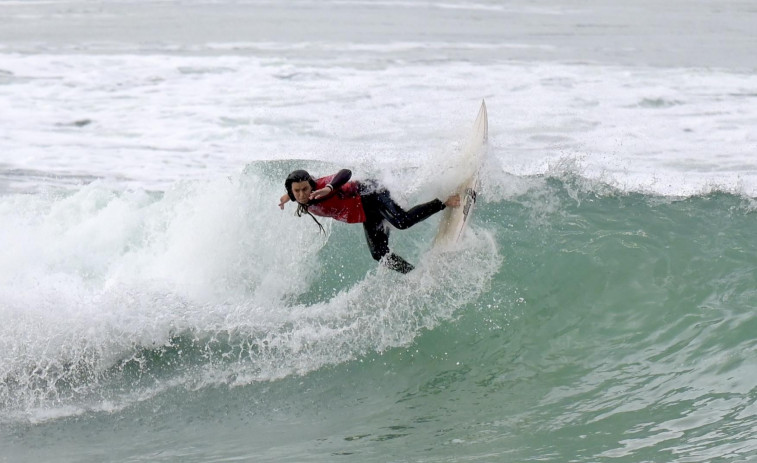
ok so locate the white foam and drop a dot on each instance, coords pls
(92, 272)
(99, 277)
(150, 120)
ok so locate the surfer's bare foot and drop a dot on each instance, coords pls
(453, 201)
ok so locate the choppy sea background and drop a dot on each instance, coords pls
(157, 306)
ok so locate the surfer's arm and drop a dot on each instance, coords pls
(339, 179)
(322, 193)
(284, 199)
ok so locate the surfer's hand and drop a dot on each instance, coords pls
(284, 199)
(318, 194)
(453, 201)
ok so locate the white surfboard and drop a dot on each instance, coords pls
(454, 219)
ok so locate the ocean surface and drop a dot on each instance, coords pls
(157, 306)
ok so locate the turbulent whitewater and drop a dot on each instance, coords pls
(588, 319)
(156, 305)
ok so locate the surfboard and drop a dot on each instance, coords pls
(454, 219)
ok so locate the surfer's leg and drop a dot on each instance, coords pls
(377, 236)
(401, 218)
(395, 262)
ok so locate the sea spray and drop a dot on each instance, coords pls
(196, 287)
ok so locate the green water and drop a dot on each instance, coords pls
(611, 327)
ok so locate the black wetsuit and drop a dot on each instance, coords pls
(380, 208)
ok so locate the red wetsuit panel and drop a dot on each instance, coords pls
(344, 204)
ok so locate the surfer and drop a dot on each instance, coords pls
(364, 202)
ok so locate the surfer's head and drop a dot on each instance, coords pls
(299, 185)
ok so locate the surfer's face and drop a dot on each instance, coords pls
(301, 191)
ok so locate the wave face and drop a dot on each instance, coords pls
(574, 322)
(156, 305)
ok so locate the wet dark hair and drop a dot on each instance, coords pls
(298, 176)
(301, 176)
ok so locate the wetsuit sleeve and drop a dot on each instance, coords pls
(341, 177)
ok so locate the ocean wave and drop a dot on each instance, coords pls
(570, 306)
(105, 289)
